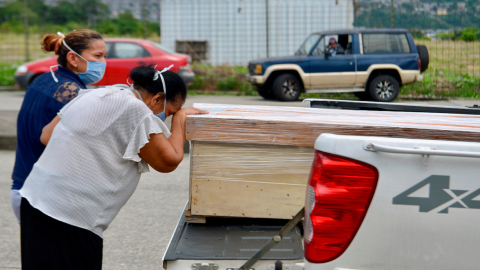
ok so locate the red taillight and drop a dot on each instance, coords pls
(338, 195)
(419, 64)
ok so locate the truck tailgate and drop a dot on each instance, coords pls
(223, 243)
(425, 210)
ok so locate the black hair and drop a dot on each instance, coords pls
(143, 78)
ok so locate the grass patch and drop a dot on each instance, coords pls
(345, 96)
(221, 79)
(444, 85)
(7, 70)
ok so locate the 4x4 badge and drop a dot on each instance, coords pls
(440, 198)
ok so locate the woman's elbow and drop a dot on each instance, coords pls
(44, 138)
(167, 166)
(164, 168)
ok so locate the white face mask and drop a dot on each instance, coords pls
(162, 115)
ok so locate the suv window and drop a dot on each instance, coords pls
(385, 43)
(129, 50)
(342, 45)
(308, 45)
(320, 49)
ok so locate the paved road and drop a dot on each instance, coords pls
(138, 236)
(140, 233)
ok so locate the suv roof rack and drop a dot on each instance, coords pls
(384, 106)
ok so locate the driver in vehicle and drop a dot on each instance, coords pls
(334, 48)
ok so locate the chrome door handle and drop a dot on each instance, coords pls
(416, 151)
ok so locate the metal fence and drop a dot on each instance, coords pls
(450, 31)
(229, 33)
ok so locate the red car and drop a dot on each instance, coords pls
(123, 55)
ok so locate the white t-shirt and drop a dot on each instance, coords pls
(91, 166)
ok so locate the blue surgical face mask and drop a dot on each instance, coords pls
(94, 72)
(161, 116)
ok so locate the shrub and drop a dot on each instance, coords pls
(7, 71)
(470, 34)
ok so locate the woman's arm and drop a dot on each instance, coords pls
(48, 129)
(164, 155)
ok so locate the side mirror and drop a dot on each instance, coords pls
(327, 54)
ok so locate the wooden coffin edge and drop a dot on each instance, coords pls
(286, 133)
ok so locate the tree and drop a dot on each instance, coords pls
(64, 12)
(92, 10)
(127, 24)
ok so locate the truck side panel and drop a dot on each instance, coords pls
(425, 210)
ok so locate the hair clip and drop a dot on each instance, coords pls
(60, 34)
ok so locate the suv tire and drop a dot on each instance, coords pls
(264, 92)
(384, 88)
(424, 58)
(286, 87)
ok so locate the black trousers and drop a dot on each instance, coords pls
(47, 243)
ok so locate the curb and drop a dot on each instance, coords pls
(425, 98)
(9, 88)
(8, 142)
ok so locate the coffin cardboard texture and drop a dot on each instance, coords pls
(254, 161)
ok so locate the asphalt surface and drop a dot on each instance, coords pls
(139, 235)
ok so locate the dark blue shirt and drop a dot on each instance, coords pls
(43, 99)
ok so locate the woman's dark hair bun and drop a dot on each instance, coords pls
(143, 78)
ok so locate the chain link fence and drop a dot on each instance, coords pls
(223, 35)
(450, 31)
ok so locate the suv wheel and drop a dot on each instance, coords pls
(384, 88)
(286, 87)
(264, 92)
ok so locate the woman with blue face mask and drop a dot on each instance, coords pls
(81, 61)
(97, 148)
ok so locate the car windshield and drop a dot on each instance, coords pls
(163, 48)
(308, 45)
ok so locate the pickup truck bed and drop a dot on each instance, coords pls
(227, 242)
(421, 211)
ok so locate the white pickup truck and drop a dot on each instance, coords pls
(371, 203)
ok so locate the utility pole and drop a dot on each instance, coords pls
(25, 12)
(393, 17)
(144, 15)
(266, 29)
